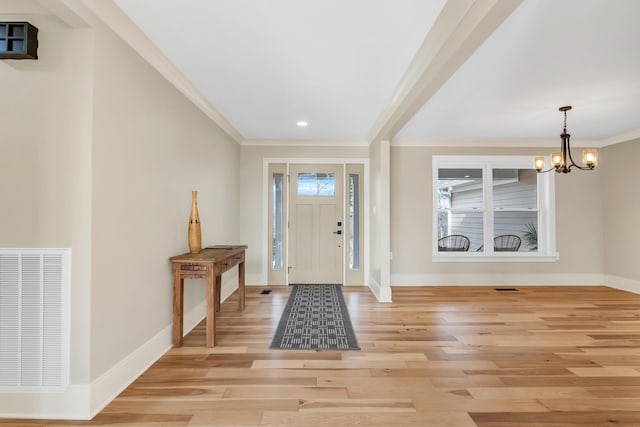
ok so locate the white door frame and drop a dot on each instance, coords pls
(265, 213)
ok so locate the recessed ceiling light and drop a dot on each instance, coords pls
(302, 123)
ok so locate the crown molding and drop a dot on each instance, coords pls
(74, 17)
(481, 143)
(506, 142)
(623, 137)
(113, 17)
(304, 143)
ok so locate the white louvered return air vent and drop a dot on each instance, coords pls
(34, 313)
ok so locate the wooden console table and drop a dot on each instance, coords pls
(209, 264)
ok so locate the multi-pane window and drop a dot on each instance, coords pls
(492, 207)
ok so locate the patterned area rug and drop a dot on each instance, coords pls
(315, 318)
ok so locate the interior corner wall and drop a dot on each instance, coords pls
(579, 227)
(252, 197)
(45, 183)
(151, 148)
(621, 200)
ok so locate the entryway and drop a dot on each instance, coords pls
(316, 223)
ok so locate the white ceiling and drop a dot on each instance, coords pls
(547, 54)
(339, 64)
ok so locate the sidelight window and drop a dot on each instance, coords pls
(276, 215)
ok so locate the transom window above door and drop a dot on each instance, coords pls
(316, 184)
(492, 209)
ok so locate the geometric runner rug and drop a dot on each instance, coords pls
(315, 318)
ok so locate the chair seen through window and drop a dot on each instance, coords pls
(453, 243)
(507, 243)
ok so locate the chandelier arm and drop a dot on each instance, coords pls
(573, 163)
(584, 168)
(548, 170)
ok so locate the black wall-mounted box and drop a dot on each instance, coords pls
(18, 40)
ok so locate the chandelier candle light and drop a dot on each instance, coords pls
(562, 161)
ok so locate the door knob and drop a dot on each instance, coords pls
(337, 232)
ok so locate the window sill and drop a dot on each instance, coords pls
(479, 257)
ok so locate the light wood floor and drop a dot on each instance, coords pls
(450, 356)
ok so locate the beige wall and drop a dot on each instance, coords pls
(621, 201)
(252, 197)
(99, 153)
(151, 148)
(45, 161)
(577, 210)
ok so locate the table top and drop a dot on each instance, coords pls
(210, 254)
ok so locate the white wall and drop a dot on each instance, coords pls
(577, 210)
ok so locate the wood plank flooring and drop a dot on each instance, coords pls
(445, 356)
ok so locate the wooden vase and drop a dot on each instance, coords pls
(195, 233)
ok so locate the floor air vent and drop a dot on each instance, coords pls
(506, 289)
(34, 326)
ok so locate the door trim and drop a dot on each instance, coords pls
(264, 255)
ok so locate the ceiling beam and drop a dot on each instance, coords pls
(112, 16)
(461, 28)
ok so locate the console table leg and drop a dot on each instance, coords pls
(178, 306)
(218, 291)
(241, 286)
(211, 307)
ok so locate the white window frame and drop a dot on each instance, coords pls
(546, 210)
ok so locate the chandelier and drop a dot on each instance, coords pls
(562, 161)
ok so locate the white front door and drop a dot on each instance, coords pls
(316, 224)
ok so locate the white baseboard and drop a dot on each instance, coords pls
(228, 287)
(496, 279)
(255, 280)
(70, 404)
(622, 283)
(381, 294)
(84, 401)
(107, 386)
